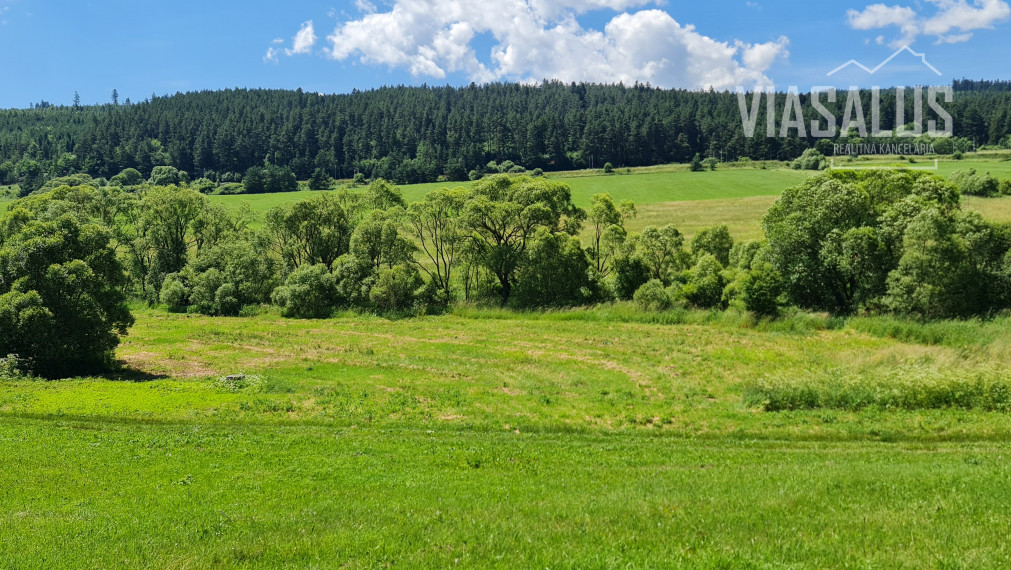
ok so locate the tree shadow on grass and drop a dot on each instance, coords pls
(123, 372)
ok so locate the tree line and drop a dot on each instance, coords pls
(423, 134)
(71, 257)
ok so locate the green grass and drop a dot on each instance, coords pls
(643, 188)
(601, 437)
(79, 493)
(735, 196)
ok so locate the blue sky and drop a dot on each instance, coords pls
(51, 48)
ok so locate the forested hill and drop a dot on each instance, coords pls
(413, 134)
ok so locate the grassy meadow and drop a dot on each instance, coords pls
(602, 437)
(593, 438)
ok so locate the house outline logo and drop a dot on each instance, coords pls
(905, 48)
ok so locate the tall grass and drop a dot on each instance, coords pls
(950, 333)
(626, 312)
(903, 388)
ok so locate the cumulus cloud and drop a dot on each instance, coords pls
(952, 21)
(303, 41)
(533, 40)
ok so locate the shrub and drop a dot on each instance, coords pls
(608, 168)
(811, 160)
(705, 283)
(320, 180)
(555, 273)
(203, 295)
(761, 290)
(714, 241)
(395, 288)
(308, 293)
(174, 293)
(128, 177)
(204, 186)
(167, 176)
(653, 296)
(13, 368)
(629, 274)
(696, 164)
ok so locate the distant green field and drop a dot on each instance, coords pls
(643, 189)
(491, 439)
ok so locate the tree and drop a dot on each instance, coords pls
(62, 306)
(661, 249)
(377, 240)
(115, 97)
(715, 241)
(166, 176)
(396, 288)
(310, 232)
(128, 177)
(435, 224)
(77, 100)
(505, 213)
(696, 164)
(705, 283)
(255, 180)
(762, 289)
(167, 215)
(320, 180)
(935, 278)
(608, 222)
(554, 273)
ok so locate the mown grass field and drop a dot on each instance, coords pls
(643, 188)
(592, 438)
(596, 438)
(736, 196)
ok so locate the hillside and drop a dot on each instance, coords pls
(418, 134)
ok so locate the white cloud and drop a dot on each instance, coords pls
(542, 39)
(271, 55)
(303, 41)
(953, 21)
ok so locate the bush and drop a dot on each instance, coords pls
(308, 293)
(705, 284)
(696, 164)
(811, 160)
(174, 293)
(608, 168)
(128, 177)
(13, 368)
(714, 241)
(269, 179)
(204, 186)
(653, 296)
(630, 273)
(761, 290)
(320, 180)
(167, 176)
(555, 273)
(395, 289)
